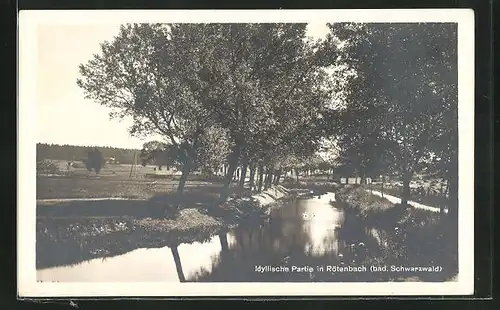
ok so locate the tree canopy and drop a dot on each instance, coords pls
(267, 95)
(218, 93)
(400, 109)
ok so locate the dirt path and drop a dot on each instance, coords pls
(414, 204)
(60, 200)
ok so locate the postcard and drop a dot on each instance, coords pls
(246, 153)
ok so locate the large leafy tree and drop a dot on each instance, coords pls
(404, 93)
(139, 75)
(298, 90)
(263, 83)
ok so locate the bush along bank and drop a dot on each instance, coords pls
(369, 207)
(70, 240)
(250, 208)
(413, 237)
(385, 214)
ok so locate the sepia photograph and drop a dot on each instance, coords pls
(244, 153)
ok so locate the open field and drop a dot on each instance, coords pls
(118, 171)
(104, 187)
(108, 169)
(114, 181)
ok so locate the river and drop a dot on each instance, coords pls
(306, 240)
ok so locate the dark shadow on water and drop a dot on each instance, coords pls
(63, 243)
(178, 264)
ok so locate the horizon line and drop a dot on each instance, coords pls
(88, 146)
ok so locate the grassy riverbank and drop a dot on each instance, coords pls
(406, 236)
(381, 211)
(370, 207)
(71, 232)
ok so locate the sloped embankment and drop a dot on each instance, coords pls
(369, 207)
(415, 237)
(382, 211)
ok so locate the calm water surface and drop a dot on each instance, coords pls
(305, 233)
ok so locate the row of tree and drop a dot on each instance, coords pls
(378, 98)
(250, 95)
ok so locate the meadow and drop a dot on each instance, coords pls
(114, 181)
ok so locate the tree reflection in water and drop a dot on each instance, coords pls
(178, 265)
(288, 240)
(332, 238)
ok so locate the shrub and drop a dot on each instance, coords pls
(94, 161)
(47, 167)
(366, 204)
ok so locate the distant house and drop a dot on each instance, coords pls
(111, 160)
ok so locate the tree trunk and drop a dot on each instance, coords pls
(184, 176)
(383, 180)
(237, 178)
(269, 176)
(178, 265)
(252, 176)
(297, 174)
(229, 177)
(227, 183)
(261, 176)
(243, 176)
(240, 243)
(447, 189)
(180, 190)
(250, 237)
(223, 242)
(453, 197)
(278, 176)
(405, 196)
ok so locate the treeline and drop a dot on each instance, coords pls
(80, 153)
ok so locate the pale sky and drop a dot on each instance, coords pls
(63, 115)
